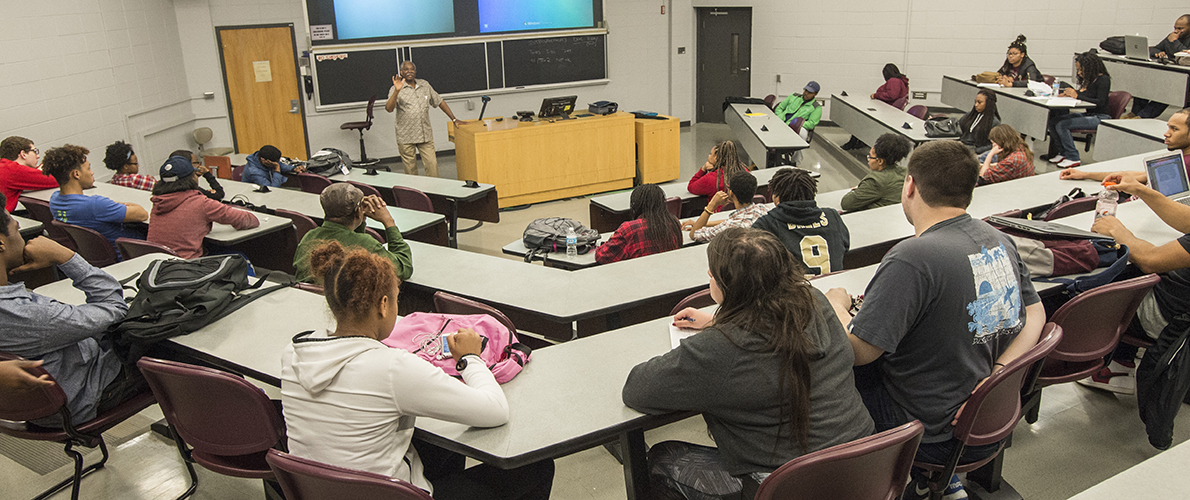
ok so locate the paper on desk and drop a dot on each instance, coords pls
(989, 85)
(677, 334)
(755, 114)
(1063, 101)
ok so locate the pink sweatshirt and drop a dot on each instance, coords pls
(181, 220)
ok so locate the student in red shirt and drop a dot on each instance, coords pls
(1014, 158)
(723, 163)
(652, 228)
(18, 170)
(120, 158)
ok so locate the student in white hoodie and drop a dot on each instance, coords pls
(351, 401)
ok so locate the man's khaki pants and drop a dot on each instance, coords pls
(409, 158)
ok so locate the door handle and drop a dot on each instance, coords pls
(745, 69)
(293, 106)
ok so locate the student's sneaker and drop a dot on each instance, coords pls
(1068, 163)
(1056, 159)
(1116, 377)
(954, 490)
(916, 490)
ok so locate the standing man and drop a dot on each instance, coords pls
(18, 170)
(412, 99)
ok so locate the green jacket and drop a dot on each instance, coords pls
(795, 107)
(398, 251)
(878, 189)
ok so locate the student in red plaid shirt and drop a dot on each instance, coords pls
(652, 228)
(122, 159)
(1015, 159)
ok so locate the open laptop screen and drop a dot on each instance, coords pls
(1167, 174)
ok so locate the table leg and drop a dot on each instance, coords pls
(452, 221)
(636, 467)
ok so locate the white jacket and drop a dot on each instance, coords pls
(351, 402)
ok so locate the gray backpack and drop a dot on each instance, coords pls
(549, 235)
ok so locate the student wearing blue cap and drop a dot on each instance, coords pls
(802, 106)
(182, 213)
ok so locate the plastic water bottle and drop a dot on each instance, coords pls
(1057, 89)
(1108, 200)
(572, 241)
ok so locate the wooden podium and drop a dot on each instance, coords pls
(657, 150)
(537, 161)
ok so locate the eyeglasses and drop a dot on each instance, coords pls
(35, 151)
(870, 157)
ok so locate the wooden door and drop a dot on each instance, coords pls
(263, 95)
(724, 59)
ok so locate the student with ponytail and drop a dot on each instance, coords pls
(722, 164)
(770, 373)
(1018, 70)
(351, 401)
(652, 228)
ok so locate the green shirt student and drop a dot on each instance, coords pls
(802, 106)
(346, 208)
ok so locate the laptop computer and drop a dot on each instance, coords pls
(1167, 175)
(1044, 228)
(1136, 47)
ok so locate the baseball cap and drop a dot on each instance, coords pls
(813, 86)
(340, 200)
(175, 168)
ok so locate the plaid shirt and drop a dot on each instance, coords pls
(413, 112)
(628, 242)
(136, 181)
(743, 217)
(1013, 166)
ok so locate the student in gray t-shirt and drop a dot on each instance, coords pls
(943, 311)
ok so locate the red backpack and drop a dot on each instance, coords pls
(421, 334)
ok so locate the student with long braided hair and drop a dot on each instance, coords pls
(351, 401)
(652, 228)
(770, 373)
(1094, 86)
(722, 164)
(816, 236)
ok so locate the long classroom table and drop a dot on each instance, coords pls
(867, 119)
(1120, 138)
(1028, 115)
(762, 134)
(29, 228)
(1164, 83)
(450, 197)
(1160, 477)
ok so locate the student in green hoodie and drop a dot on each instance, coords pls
(882, 186)
(346, 208)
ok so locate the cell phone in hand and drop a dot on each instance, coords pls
(445, 353)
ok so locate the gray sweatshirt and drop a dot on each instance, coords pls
(734, 383)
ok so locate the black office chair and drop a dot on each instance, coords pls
(364, 161)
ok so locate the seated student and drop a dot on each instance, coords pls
(895, 92)
(882, 186)
(69, 166)
(1018, 68)
(264, 168)
(18, 170)
(769, 372)
(722, 163)
(120, 157)
(216, 191)
(1015, 159)
(652, 228)
(1176, 41)
(14, 377)
(345, 210)
(351, 401)
(802, 106)
(816, 236)
(943, 311)
(68, 339)
(182, 215)
(1094, 87)
(975, 125)
(739, 193)
(1177, 137)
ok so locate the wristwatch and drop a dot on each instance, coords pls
(462, 364)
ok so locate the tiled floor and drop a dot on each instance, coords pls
(1083, 436)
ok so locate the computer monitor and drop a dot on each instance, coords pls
(557, 106)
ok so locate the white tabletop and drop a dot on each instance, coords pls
(778, 136)
(1148, 64)
(433, 186)
(887, 116)
(1148, 128)
(220, 233)
(1018, 94)
(408, 221)
(1137, 217)
(1160, 477)
(560, 259)
(28, 226)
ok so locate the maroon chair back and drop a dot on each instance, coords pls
(368, 190)
(412, 199)
(697, 300)
(312, 183)
(237, 173)
(131, 248)
(376, 234)
(40, 211)
(90, 244)
(1117, 103)
(19, 406)
(759, 198)
(1048, 79)
(1072, 207)
(900, 103)
(771, 101)
(796, 124)
(674, 205)
(224, 418)
(1092, 323)
(871, 468)
(995, 407)
(919, 111)
(310, 287)
(1015, 213)
(304, 479)
(301, 223)
(453, 304)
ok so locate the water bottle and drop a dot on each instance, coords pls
(572, 241)
(1108, 200)
(1057, 89)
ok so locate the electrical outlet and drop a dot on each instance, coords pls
(919, 95)
(822, 102)
(778, 77)
(681, 50)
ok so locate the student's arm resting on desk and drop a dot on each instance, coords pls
(866, 193)
(429, 392)
(613, 250)
(223, 214)
(680, 379)
(1074, 174)
(1148, 257)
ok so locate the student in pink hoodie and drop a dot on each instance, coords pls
(182, 214)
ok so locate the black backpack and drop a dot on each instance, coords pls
(549, 235)
(1113, 44)
(328, 161)
(176, 297)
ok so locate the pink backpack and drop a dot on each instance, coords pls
(421, 334)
